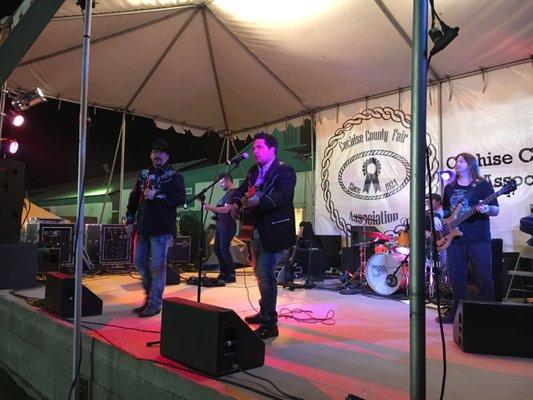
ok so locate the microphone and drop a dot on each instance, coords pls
(237, 159)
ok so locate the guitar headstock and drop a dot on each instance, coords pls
(509, 187)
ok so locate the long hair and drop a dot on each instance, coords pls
(473, 167)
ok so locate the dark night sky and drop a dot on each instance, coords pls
(49, 139)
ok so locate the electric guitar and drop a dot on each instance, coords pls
(450, 226)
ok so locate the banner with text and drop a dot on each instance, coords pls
(364, 168)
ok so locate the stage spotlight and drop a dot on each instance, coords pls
(22, 101)
(17, 120)
(443, 38)
(13, 147)
(446, 175)
(8, 147)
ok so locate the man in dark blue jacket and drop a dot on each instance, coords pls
(152, 216)
(267, 192)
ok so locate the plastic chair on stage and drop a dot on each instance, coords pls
(525, 254)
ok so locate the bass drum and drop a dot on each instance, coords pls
(378, 269)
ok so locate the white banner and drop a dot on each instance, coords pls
(496, 125)
(363, 160)
(363, 166)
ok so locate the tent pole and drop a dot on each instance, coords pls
(417, 328)
(313, 158)
(111, 173)
(3, 94)
(121, 212)
(77, 351)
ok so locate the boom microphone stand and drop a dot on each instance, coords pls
(201, 196)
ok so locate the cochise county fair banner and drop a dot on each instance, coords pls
(363, 167)
(365, 170)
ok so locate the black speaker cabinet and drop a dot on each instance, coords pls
(331, 246)
(350, 259)
(208, 338)
(173, 277)
(18, 266)
(59, 297)
(11, 195)
(494, 328)
(180, 250)
(312, 262)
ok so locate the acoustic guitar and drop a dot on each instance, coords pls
(450, 226)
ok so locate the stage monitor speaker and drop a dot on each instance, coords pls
(11, 199)
(180, 250)
(18, 266)
(59, 297)
(208, 338)
(494, 328)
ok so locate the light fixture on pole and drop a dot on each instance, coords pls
(22, 101)
(8, 147)
(440, 37)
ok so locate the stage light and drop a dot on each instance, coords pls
(17, 120)
(22, 101)
(446, 175)
(13, 146)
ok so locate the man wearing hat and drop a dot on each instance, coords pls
(151, 214)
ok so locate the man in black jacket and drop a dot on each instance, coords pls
(152, 216)
(267, 192)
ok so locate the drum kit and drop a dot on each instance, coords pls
(386, 272)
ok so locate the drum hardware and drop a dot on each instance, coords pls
(392, 279)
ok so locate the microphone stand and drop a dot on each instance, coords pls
(201, 196)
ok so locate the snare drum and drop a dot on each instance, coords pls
(380, 267)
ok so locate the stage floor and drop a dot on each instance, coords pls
(365, 353)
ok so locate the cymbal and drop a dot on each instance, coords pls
(378, 236)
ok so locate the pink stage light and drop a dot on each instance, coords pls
(13, 147)
(17, 120)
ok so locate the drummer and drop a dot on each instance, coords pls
(435, 202)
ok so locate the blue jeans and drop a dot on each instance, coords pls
(480, 256)
(223, 238)
(265, 271)
(154, 273)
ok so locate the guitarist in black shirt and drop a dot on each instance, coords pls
(467, 191)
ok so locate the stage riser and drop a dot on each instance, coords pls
(36, 350)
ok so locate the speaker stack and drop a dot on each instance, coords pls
(11, 197)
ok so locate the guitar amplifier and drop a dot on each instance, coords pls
(180, 250)
(108, 244)
(51, 235)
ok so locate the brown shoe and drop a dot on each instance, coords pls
(267, 331)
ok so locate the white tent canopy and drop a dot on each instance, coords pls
(243, 64)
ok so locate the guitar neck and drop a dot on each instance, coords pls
(473, 210)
